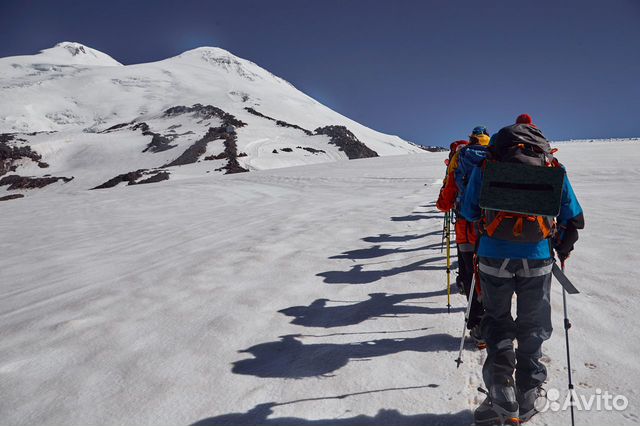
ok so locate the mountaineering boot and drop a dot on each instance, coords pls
(476, 335)
(459, 284)
(499, 408)
(530, 402)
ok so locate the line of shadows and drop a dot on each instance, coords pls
(391, 238)
(413, 217)
(362, 333)
(356, 275)
(378, 251)
(379, 305)
(290, 358)
(259, 415)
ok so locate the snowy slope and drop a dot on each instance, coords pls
(299, 296)
(70, 94)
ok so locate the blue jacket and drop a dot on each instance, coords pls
(491, 247)
(470, 157)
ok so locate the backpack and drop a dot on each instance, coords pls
(522, 186)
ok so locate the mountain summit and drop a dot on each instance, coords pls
(83, 114)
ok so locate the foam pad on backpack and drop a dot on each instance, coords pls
(521, 188)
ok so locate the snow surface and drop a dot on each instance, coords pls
(308, 295)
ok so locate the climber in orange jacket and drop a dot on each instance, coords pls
(466, 235)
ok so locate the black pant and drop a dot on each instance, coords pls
(531, 282)
(465, 278)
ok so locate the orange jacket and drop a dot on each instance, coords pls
(448, 193)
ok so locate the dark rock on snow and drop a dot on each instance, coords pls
(205, 112)
(347, 142)
(280, 123)
(132, 178)
(11, 197)
(10, 154)
(28, 182)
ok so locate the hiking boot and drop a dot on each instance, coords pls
(476, 335)
(530, 402)
(459, 285)
(499, 408)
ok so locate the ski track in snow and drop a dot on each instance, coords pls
(310, 295)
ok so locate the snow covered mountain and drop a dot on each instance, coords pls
(74, 112)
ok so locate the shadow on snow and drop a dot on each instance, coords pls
(291, 358)
(259, 415)
(356, 275)
(318, 314)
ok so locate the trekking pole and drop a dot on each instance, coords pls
(444, 228)
(567, 326)
(449, 263)
(466, 319)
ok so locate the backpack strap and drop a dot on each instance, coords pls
(546, 230)
(490, 228)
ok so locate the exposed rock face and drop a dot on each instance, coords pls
(27, 182)
(311, 150)
(116, 127)
(125, 177)
(205, 112)
(226, 133)
(347, 142)
(286, 149)
(231, 151)
(10, 155)
(158, 142)
(278, 122)
(11, 197)
(199, 147)
(132, 178)
(434, 148)
(158, 177)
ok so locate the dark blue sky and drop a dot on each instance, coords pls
(426, 70)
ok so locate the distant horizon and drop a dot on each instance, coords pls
(424, 71)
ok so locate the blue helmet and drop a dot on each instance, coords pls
(479, 130)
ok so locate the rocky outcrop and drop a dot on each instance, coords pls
(132, 178)
(158, 142)
(158, 177)
(433, 148)
(311, 150)
(11, 154)
(278, 122)
(346, 142)
(199, 147)
(11, 197)
(28, 182)
(117, 127)
(204, 112)
(231, 152)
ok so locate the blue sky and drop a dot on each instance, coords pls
(428, 71)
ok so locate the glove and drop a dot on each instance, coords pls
(563, 256)
(567, 236)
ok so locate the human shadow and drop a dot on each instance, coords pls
(290, 358)
(356, 275)
(414, 217)
(378, 251)
(259, 415)
(388, 238)
(379, 305)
